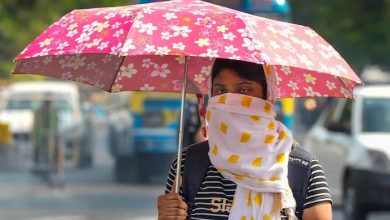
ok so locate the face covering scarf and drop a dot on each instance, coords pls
(249, 147)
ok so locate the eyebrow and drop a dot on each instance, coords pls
(245, 82)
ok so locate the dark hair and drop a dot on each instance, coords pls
(247, 70)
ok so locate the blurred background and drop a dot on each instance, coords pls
(69, 151)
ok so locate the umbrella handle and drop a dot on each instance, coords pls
(180, 144)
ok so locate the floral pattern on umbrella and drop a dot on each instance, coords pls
(144, 47)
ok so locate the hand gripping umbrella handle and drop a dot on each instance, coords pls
(180, 144)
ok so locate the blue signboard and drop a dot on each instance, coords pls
(149, 1)
(267, 6)
(280, 7)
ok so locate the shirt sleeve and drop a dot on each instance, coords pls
(172, 173)
(318, 190)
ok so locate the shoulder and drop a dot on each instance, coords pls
(200, 147)
(200, 144)
(194, 150)
(298, 151)
(300, 156)
(297, 154)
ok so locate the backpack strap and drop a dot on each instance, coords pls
(298, 175)
(195, 168)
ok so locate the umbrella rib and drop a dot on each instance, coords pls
(117, 71)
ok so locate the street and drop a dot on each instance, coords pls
(89, 194)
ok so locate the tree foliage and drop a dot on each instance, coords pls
(358, 29)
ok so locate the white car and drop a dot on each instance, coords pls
(24, 98)
(351, 139)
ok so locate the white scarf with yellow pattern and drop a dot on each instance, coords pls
(249, 147)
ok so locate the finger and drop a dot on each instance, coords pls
(174, 212)
(172, 217)
(171, 200)
(178, 204)
(172, 196)
(174, 184)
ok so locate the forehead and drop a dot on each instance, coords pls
(227, 76)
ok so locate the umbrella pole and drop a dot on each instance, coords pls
(181, 128)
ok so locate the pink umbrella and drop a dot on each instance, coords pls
(170, 47)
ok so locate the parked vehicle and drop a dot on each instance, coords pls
(143, 135)
(351, 140)
(24, 98)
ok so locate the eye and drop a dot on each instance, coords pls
(244, 90)
(220, 91)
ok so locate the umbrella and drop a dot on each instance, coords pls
(171, 46)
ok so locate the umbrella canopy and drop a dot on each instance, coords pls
(146, 47)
